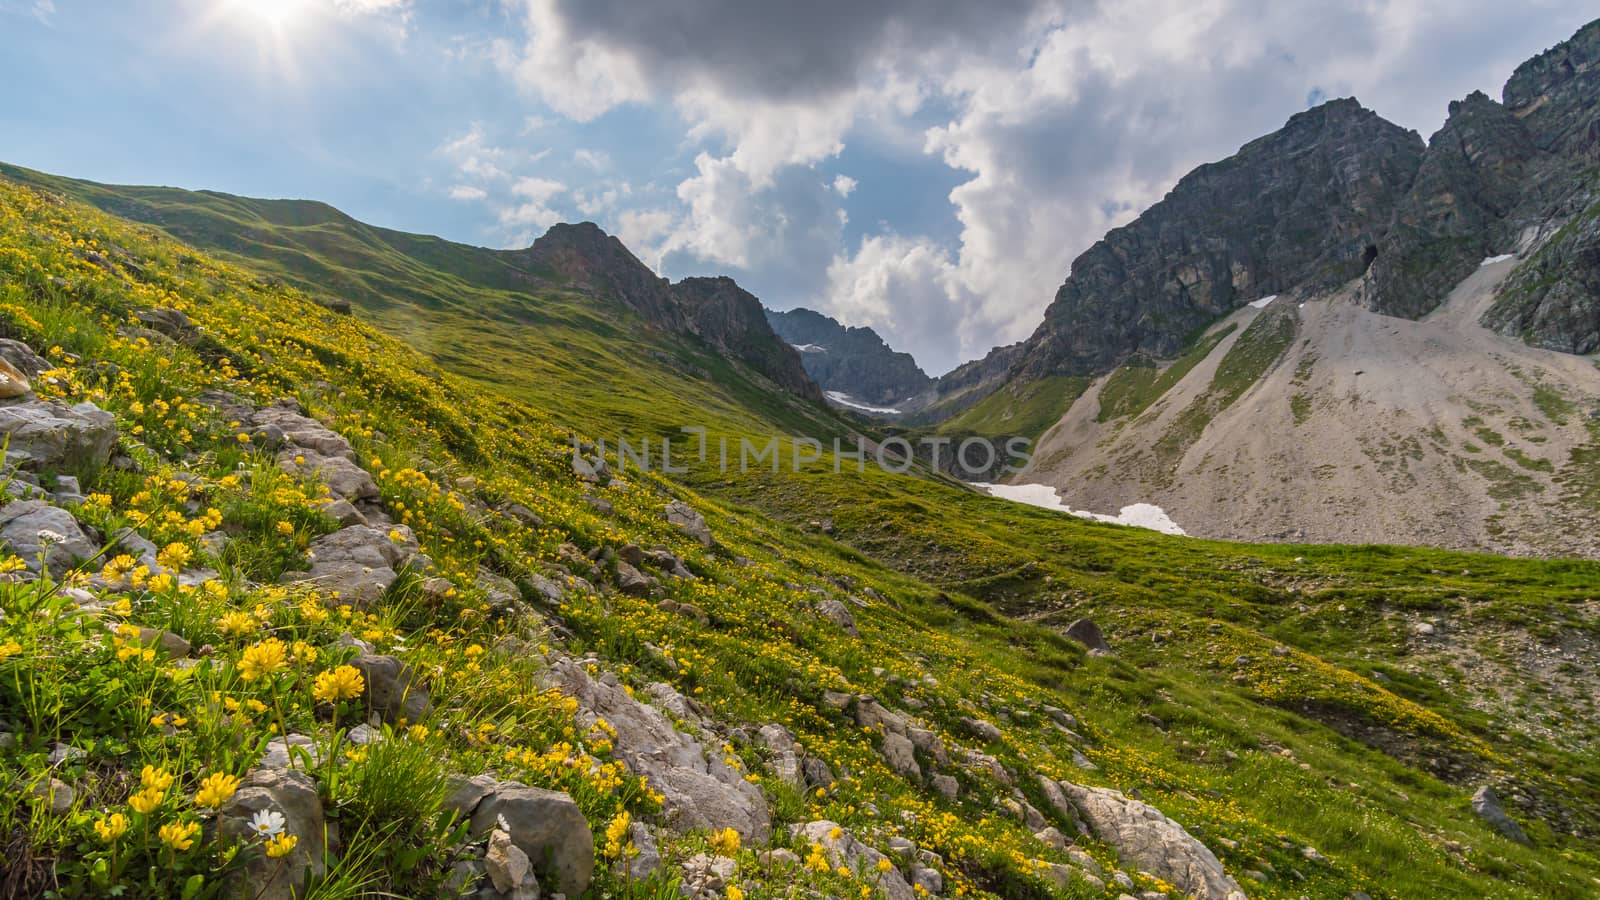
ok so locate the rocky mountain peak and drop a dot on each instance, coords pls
(1301, 207)
(853, 360)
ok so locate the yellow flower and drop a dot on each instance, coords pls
(261, 659)
(236, 623)
(617, 835)
(179, 835)
(734, 893)
(725, 842)
(417, 732)
(155, 779)
(304, 652)
(835, 833)
(282, 845)
(10, 648)
(286, 528)
(174, 556)
(146, 801)
(215, 790)
(343, 683)
(884, 865)
(111, 827)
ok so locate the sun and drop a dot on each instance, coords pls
(276, 14)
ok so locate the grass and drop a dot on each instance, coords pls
(1131, 389)
(961, 588)
(1027, 411)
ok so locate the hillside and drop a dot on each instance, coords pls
(835, 683)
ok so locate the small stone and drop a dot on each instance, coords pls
(57, 795)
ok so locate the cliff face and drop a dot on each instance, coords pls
(1301, 208)
(731, 319)
(853, 360)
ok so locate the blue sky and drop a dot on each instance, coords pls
(926, 167)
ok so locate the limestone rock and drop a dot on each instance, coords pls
(686, 519)
(837, 613)
(547, 827)
(392, 690)
(36, 531)
(509, 868)
(901, 755)
(1141, 834)
(357, 564)
(846, 851)
(13, 383)
(293, 795)
(49, 435)
(1486, 804)
(1087, 633)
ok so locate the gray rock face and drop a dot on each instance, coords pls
(23, 359)
(293, 795)
(13, 382)
(839, 614)
(357, 564)
(547, 827)
(855, 361)
(1142, 835)
(393, 690)
(1087, 633)
(35, 531)
(845, 850)
(509, 869)
(901, 755)
(48, 435)
(1297, 208)
(1486, 804)
(701, 790)
(688, 520)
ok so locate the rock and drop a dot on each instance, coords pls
(648, 859)
(463, 793)
(927, 878)
(1486, 804)
(49, 435)
(345, 513)
(356, 565)
(700, 790)
(686, 610)
(816, 773)
(1141, 834)
(343, 478)
(38, 532)
(1053, 838)
(54, 794)
(705, 876)
(499, 591)
(839, 614)
(13, 383)
(170, 322)
(633, 582)
(901, 755)
(784, 760)
(547, 827)
(508, 868)
(946, 786)
(174, 645)
(293, 795)
(1087, 633)
(291, 751)
(22, 359)
(686, 519)
(929, 743)
(983, 731)
(846, 851)
(392, 690)
(523, 514)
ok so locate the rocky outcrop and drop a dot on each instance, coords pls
(356, 565)
(688, 520)
(1486, 804)
(842, 849)
(546, 828)
(1141, 834)
(288, 802)
(1301, 208)
(47, 435)
(732, 320)
(701, 790)
(853, 360)
(44, 536)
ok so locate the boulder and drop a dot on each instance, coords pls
(784, 760)
(48, 435)
(1142, 835)
(392, 690)
(845, 850)
(357, 564)
(1486, 804)
(38, 532)
(54, 795)
(946, 786)
(13, 383)
(686, 519)
(509, 868)
(294, 796)
(22, 358)
(343, 478)
(901, 755)
(980, 729)
(837, 613)
(1087, 633)
(547, 827)
(700, 790)
(633, 582)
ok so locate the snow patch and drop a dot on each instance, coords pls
(1264, 302)
(810, 348)
(1139, 515)
(1497, 259)
(843, 399)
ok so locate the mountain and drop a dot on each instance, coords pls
(352, 562)
(853, 361)
(1411, 373)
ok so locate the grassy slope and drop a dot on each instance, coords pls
(954, 564)
(1029, 411)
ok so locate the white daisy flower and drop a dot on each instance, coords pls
(267, 822)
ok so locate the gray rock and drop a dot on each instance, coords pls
(1141, 834)
(1087, 633)
(22, 358)
(291, 751)
(393, 691)
(983, 731)
(343, 478)
(927, 878)
(1486, 804)
(686, 519)
(901, 755)
(294, 796)
(648, 859)
(547, 827)
(845, 850)
(38, 532)
(463, 793)
(839, 614)
(633, 582)
(356, 565)
(49, 435)
(509, 868)
(946, 786)
(55, 795)
(701, 791)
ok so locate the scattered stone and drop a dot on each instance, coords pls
(648, 859)
(686, 610)
(294, 796)
(49, 435)
(901, 755)
(1141, 834)
(509, 869)
(633, 582)
(55, 794)
(13, 383)
(983, 731)
(686, 519)
(785, 760)
(356, 565)
(464, 793)
(40, 533)
(1486, 804)
(845, 850)
(291, 751)
(547, 827)
(1087, 633)
(392, 690)
(839, 614)
(22, 358)
(946, 786)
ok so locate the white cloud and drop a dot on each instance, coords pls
(597, 160)
(468, 192)
(843, 185)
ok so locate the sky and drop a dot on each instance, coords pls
(928, 168)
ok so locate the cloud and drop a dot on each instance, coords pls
(597, 160)
(468, 192)
(1063, 119)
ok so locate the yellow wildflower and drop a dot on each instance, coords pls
(725, 842)
(282, 845)
(179, 835)
(155, 779)
(111, 827)
(343, 683)
(146, 801)
(215, 790)
(261, 659)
